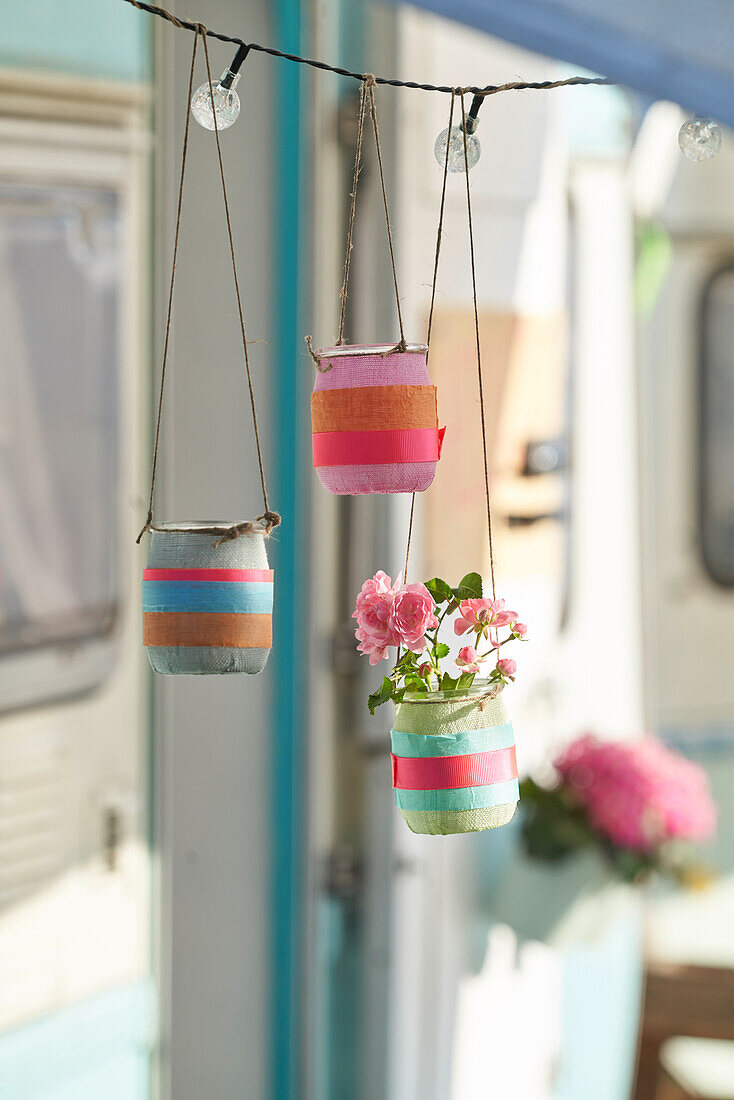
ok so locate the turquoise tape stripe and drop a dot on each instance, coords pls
(452, 744)
(245, 597)
(463, 798)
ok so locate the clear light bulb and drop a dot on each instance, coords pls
(456, 149)
(226, 103)
(700, 138)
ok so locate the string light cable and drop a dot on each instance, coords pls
(479, 93)
(699, 138)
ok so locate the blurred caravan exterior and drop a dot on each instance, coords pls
(603, 275)
(205, 887)
(77, 998)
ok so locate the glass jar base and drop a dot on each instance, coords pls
(206, 660)
(397, 477)
(451, 822)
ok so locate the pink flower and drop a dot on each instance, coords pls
(476, 614)
(412, 615)
(639, 793)
(424, 670)
(374, 632)
(507, 666)
(479, 615)
(469, 660)
(504, 618)
(520, 629)
(379, 585)
(375, 638)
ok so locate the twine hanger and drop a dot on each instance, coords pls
(460, 92)
(269, 519)
(439, 234)
(367, 90)
(479, 347)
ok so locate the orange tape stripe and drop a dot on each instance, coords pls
(374, 408)
(216, 628)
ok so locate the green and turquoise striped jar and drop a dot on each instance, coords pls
(454, 764)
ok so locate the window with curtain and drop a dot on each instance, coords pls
(60, 282)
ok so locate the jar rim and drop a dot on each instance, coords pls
(357, 350)
(201, 526)
(485, 689)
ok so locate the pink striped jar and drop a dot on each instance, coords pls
(374, 419)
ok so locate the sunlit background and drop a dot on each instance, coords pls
(205, 886)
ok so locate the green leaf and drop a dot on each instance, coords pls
(385, 692)
(448, 683)
(465, 680)
(465, 592)
(441, 650)
(440, 590)
(374, 701)
(474, 582)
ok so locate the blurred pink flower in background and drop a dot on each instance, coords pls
(638, 793)
(507, 666)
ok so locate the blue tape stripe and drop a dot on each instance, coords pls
(462, 798)
(452, 744)
(245, 597)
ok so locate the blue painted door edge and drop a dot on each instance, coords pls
(287, 770)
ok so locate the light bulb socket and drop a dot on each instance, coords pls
(230, 77)
(472, 121)
(229, 80)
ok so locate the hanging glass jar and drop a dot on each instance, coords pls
(373, 408)
(207, 588)
(453, 758)
(374, 419)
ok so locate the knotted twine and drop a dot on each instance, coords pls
(269, 519)
(367, 90)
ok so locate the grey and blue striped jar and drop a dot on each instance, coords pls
(207, 609)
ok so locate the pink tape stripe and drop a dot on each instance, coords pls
(368, 448)
(440, 773)
(207, 574)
